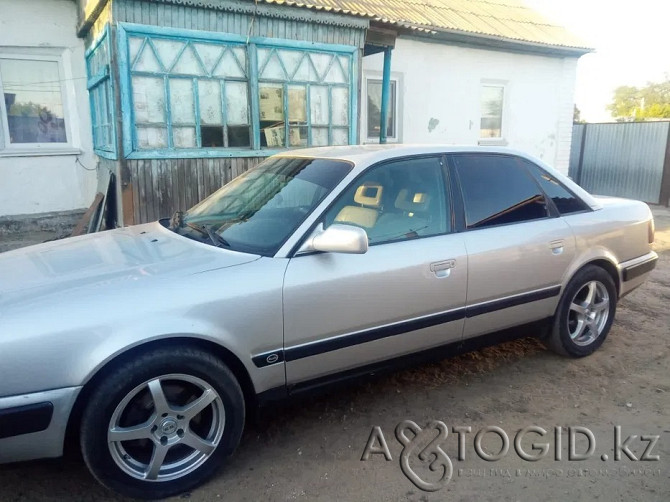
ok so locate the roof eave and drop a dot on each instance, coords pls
(512, 43)
(482, 40)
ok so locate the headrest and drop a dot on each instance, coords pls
(369, 194)
(412, 201)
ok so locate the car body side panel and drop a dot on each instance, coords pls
(617, 233)
(517, 259)
(331, 295)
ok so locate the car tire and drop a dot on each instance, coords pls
(585, 313)
(162, 423)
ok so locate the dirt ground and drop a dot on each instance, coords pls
(311, 450)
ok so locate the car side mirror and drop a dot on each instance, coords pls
(341, 239)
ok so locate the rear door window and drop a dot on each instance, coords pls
(497, 190)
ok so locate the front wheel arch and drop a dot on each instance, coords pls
(72, 446)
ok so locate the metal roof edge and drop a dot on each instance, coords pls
(492, 42)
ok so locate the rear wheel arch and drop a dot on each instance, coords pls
(585, 311)
(608, 267)
(226, 356)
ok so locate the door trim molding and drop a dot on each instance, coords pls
(377, 333)
(511, 301)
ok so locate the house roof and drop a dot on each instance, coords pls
(509, 20)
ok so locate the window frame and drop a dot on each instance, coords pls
(126, 30)
(396, 78)
(530, 165)
(69, 147)
(102, 80)
(461, 221)
(500, 140)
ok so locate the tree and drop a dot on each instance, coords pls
(649, 102)
(577, 116)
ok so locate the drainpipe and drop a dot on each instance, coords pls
(386, 91)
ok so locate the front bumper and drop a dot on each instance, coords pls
(634, 272)
(33, 425)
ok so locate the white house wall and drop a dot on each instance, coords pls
(32, 183)
(439, 96)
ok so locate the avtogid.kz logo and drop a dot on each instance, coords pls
(427, 465)
(423, 444)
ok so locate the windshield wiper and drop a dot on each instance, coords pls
(177, 222)
(215, 238)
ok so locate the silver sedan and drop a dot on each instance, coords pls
(151, 343)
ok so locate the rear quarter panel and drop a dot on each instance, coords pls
(617, 233)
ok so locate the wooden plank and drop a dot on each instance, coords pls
(146, 190)
(104, 187)
(142, 211)
(183, 178)
(157, 189)
(200, 180)
(144, 13)
(195, 174)
(153, 14)
(145, 167)
(163, 191)
(174, 173)
(153, 189)
(180, 17)
(179, 179)
(85, 220)
(137, 197)
(191, 175)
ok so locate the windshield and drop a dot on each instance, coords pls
(259, 210)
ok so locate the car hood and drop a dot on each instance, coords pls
(111, 259)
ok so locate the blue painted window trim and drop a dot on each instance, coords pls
(102, 81)
(125, 30)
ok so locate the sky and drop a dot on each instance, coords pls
(632, 44)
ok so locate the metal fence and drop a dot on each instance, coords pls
(630, 159)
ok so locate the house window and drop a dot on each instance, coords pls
(303, 98)
(99, 86)
(188, 94)
(492, 101)
(374, 104)
(32, 112)
(191, 91)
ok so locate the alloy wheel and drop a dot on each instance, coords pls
(166, 427)
(588, 313)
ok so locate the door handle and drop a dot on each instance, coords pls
(556, 246)
(442, 268)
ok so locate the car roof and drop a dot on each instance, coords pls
(372, 153)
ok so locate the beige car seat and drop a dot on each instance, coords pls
(369, 196)
(412, 202)
(411, 217)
